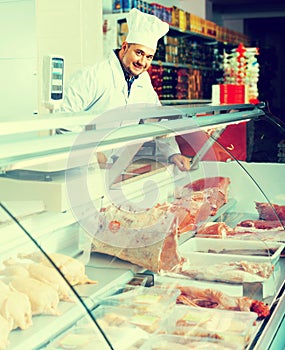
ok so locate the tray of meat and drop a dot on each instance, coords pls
(144, 299)
(225, 325)
(84, 335)
(117, 317)
(170, 342)
(259, 251)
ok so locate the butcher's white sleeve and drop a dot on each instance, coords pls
(167, 146)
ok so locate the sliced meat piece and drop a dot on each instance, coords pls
(272, 212)
(220, 182)
(214, 190)
(258, 225)
(189, 213)
(214, 230)
(216, 299)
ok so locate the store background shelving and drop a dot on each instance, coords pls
(188, 60)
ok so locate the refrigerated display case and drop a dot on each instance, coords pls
(102, 237)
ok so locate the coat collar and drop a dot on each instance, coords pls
(119, 76)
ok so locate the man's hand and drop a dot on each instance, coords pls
(182, 162)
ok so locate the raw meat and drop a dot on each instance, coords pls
(268, 235)
(39, 272)
(271, 212)
(5, 330)
(15, 307)
(154, 250)
(133, 218)
(235, 272)
(214, 230)
(43, 298)
(258, 225)
(211, 298)
(219, 182)
(49, 275)
(4, 288)
(72, 269)
(189, 213)
(214, 189)
(14, 271)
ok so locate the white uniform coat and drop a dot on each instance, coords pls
(103, 87)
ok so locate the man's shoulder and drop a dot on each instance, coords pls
(93, 69)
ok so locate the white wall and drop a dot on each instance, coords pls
(30, 29)
(18, 59)
(72, 29)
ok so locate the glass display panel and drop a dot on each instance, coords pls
(140, 254)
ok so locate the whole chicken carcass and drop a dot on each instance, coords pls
(50, 276)
(43, 297)
(4, 288)
(14, 271)
(5, 330)
(72, 269)
(15, 307)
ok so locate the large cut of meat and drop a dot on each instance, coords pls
(5, 330)
(43, 298)
(15, 307)
(211, 298)
(153, 247)
(271, 212)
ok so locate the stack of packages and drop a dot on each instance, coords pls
(241, 72)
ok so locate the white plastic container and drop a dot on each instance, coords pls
(238, 249)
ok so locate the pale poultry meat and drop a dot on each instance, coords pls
(43, 297)
(15, 307)
(5, 330)
(40, 272)
(4, 287)
(14, 269)
(72, 269)
(51, 276)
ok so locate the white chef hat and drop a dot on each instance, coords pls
(145, 29)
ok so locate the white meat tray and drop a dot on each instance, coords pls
(203, 245)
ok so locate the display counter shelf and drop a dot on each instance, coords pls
(46, 327)
(75, 216)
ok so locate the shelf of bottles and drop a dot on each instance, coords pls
(188, 60)
(183, 21)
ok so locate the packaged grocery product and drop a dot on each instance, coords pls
(151, 299)
(119, 318)
(170, 342)
(229, 326)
